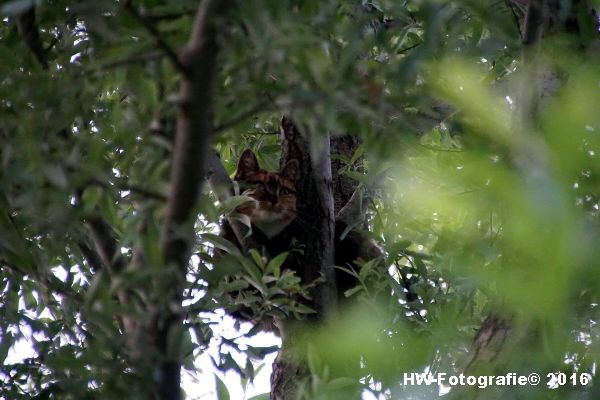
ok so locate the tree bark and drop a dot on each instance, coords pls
(28, 28)
(316, 211)
(222, 186)
(194, 129)
(323, 192)
(344, 186)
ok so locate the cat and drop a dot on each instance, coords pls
(273, 214)
(274, 194)
(271, 210)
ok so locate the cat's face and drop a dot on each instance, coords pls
(274, 192)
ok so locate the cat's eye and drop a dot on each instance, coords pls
(284, 192)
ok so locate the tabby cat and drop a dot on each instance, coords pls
(274, 214)
(274, 194)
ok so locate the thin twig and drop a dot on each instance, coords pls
(92, 258)
(515, 16)
(243, 116)
(404, 50)
(137, 58)
(415, 254)
(106, 244)
(222, 186)
(53, 43)
(51, 282)
(28, 28)
(169, 16)
(161, 43)
(120, 184)
(126, 186)
(534, 23)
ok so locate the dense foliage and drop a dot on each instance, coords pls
(480, 153)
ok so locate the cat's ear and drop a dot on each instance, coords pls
(247, 165)
(291, 170)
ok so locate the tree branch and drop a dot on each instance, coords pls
(241, 117)
(326, 299)
(194, 128)
(92, 258)
(25, 252)
(222, 186)
(515, 17)
(161, 43)
(533, 23)
(316, 208)
(197, 65)
(534, 26)
(28, 28)
(169, 16)
(489, 341)
(51, 282)
(133, 59)
(218, 179)
(123, 185)
(106, 244)
(107, 255)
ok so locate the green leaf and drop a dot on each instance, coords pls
(360, 177)
(258, 260)
(5, 345)
(91, 197)
(263, 396)
(222, 391)
(348, 293)
(255, 278)
(302, 309)
(236, 285)
(341, 383)
(222, 243)
(366, 268)
(30, 300)
(357, 154)
(274, 266)
(229, 205)
(245, 220)
(258, 353)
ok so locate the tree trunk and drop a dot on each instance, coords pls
(323, 192)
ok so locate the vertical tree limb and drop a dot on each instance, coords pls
(315, 207)
(321, 248)
(106, 245)
(320, 199)
(222, 186)
(343, 185)
(28, 28)
(108, 256)
(489, 341)
(194, 127)
(160, 42)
